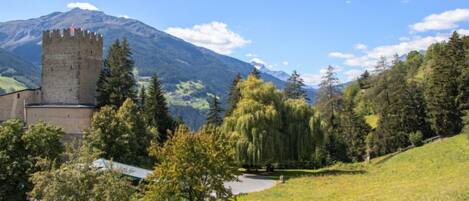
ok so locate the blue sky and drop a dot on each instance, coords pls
(297, 35)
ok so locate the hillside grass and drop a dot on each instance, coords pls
(10, 84)
(436, 171)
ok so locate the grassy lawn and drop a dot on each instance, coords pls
(436, 171)
(10, 84)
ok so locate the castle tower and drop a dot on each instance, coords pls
(71, 64)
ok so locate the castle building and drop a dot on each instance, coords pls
(71, 63)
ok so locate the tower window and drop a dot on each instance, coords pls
(18, 95)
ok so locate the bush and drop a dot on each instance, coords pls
(416, 138)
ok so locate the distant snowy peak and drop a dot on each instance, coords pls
(278, 74)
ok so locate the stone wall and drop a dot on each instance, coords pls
(73, 119)
(71, 63)
(12, 104)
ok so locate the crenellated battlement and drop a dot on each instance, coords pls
(72, 34)
(71, 64)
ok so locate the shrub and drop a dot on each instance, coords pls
(416, 138)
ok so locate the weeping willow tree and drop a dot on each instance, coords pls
(268, 128)
(316, 128)
(297, 133)
(256, 123)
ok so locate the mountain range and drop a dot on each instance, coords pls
(190, 74)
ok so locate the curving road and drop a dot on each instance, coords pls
(250, 183)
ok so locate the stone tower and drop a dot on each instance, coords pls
(71, 64)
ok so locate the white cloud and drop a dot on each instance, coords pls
(258, 60)
(416, 43)
(464, 32)
(360, 46)
(341, 55)
(337, 69)
(285, 63)
(442, 21)
(82, 5)
(312, 79)
(215, 36)
(371, 56)
(124, 16)
(250, 55)
(352, 74)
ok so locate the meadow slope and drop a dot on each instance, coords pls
(436, 171)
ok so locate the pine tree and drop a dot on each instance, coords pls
(156, 109)
(255, 72)
(354, 127)
(329, 104)
(329, 96)
(442, 91)
(214, 113)
(463, 98)
(234, 95)
(117, 82)
(364, 80)
(142, 97)
(457, 56)
(294, 87)
(380, 89)
(392, 125)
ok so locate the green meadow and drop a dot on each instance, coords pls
(435, 171)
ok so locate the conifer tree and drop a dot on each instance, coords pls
(116, 82)
(214, 113)
(457, 57)
(329, 95)
(442, 91)
(463, 97)
(156, 109)
(294, 87)
(364, 80)
(142, 97)
(392, 127)
(353, 125)
(380, 88)
(255, 72)
(233, 95)
(329, 104)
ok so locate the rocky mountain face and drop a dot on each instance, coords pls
(281, 75)
(19, 69)
(179, 64)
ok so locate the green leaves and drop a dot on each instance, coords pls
(120, 135)
(268, 128)
(192, 166)
(20, 152)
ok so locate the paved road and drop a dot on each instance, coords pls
(250, 183)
